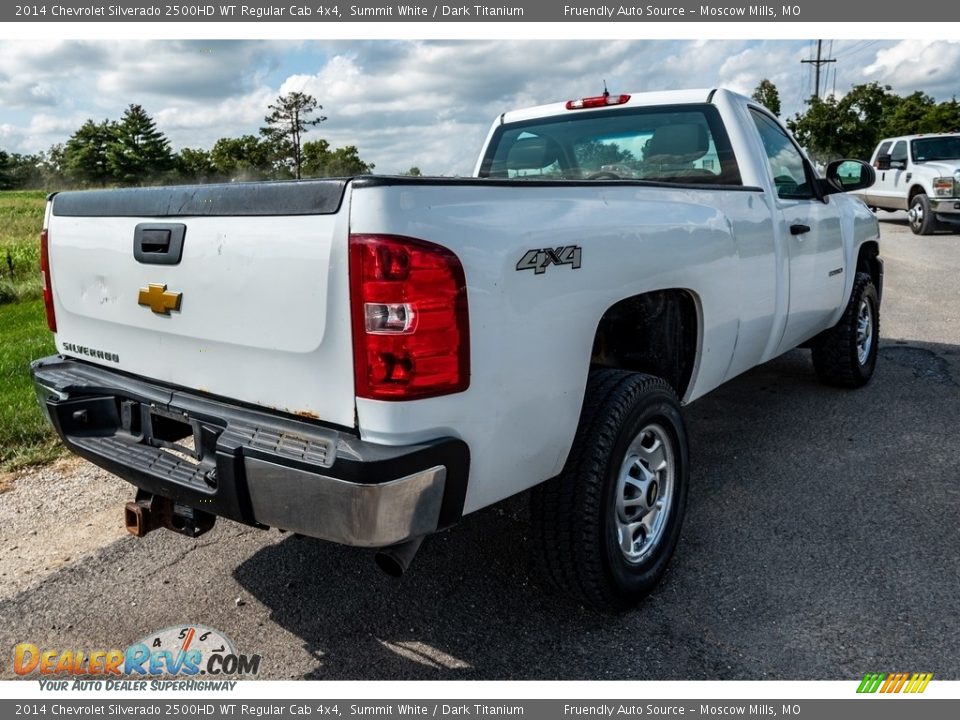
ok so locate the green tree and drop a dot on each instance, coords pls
(866, 106)
(346, 161)
(871, 102)
(20, 171)
(195, 164)
(290, 117)
(85, 158)
(244, 158)
(320, 161)
(847, 127)
(413, 172)
(944, 117)
(314, 157)
(819, 128)
(52, 164)
(6, 179)
(766, 94)
(909, 115)
(593, 155)
(139, 151)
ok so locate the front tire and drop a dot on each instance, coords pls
(846, 354)
(922, 220)
(607, 526)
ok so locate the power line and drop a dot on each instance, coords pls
(817, 64)
(857, 48)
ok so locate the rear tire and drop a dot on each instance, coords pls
(846, 354)
(922, 220)
(607, 526)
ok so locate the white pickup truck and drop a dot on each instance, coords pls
(366, 360)
(919, 174)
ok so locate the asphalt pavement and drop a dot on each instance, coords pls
(822, 541)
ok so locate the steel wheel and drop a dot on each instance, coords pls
(864, 330)
(916, 216)
(644, 493)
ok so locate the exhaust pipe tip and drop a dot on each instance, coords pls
(389, 564)
(395, 560)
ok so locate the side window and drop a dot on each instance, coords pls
(786, 162)
(898, 156)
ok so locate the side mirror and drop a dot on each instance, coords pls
(883, 162)
(847, 175)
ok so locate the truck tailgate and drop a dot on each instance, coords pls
(256, 309)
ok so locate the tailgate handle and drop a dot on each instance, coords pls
(158, 243)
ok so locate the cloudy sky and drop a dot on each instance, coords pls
(402, 102)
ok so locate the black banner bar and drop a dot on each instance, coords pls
(317, 12)
(223, 706)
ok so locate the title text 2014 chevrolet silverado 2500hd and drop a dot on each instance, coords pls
(919, 174)
(366, 360)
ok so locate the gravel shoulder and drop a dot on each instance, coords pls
(54, 516)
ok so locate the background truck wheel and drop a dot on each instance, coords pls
(607, 525)
(846, 354)
(922, 220)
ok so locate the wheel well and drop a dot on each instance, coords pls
(914, 191)
(868, 261)
(655, 333)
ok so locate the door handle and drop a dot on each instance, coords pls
(158, 243)
(799, 229)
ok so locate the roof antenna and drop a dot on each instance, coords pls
(606, 93)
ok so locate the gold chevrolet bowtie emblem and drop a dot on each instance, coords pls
(159, 300)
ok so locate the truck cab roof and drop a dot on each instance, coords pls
(644, 99)
(918, 137)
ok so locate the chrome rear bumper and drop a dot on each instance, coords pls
(250, 465)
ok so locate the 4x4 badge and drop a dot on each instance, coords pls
(540, 260)
(159, 299)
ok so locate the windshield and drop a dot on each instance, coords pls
(683, 144)
(936, 148)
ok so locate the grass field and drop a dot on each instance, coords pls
(25, 438)
(21, 217)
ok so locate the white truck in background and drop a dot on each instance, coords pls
(368, 359)
(919, 174)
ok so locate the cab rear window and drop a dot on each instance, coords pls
(681, 144)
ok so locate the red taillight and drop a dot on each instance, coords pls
(598, 101)
(47, 284)
(411, 336)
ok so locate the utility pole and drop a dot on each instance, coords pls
(817, 63)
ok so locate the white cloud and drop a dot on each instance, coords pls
(405, 103)
(42, 131)
(182, 69)
(931, 66)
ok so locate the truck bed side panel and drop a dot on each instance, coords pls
(531, 334)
